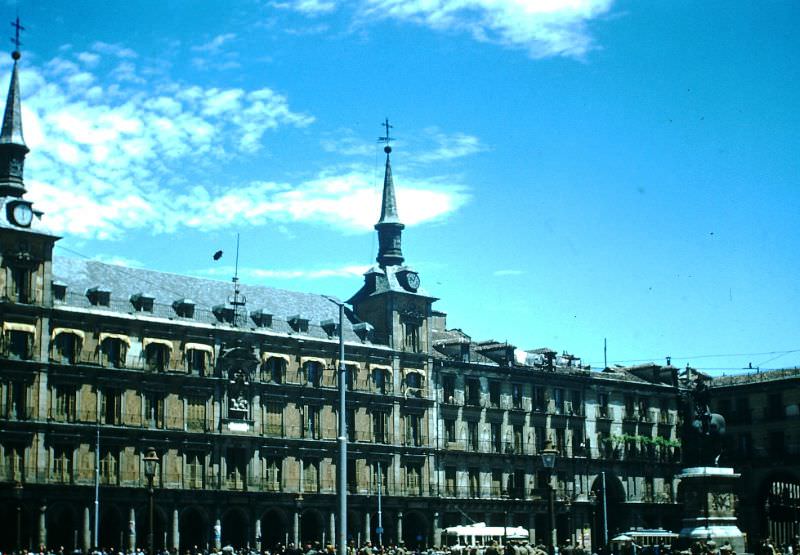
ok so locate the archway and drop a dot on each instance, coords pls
(194, 530)
(416, 530)
(274, 529)
(311, 526)
(353, 526)
(111, 533)
(62, 527)
(234, 528)
(609, 509)
(780, 506)
(143, 527)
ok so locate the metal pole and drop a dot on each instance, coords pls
(151, 536)
(552, 504)
(380, 513)
(19, 526)
(342, 439)
(97, 488)
(605, 511)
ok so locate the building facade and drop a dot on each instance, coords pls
(235, 387)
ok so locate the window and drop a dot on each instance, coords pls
(380, 477)
(154, 410)
(16, 401)
(413, 479)
(561, 440)
(14, 462)
(198, 358)
(539, 402)
(272, 474)
(494, 393)
(380, 420)
(776, 443)
(157, 356)
(64, 403)
(313, 372)
(558, 400)
(350, 373)
(474, 482)
(450, 488)
(603, 410)
(20, 285)
(449, 389)
(497, 483)
(196, 414)
(350, 424)
(111, 407)
(195, 471)
(273, 370)
(411, 340)
(577, 403)
(472, 436)
(450, 430)
(66, 347)
(497, 437)
(99, 296)
(379, 380)
(114, 350)
(311, 423)
(61, 466)
(311, 476)
(352, 476)
(235, 468)
(414, 383)
(413, 431)
(19, 340)
(578, 443)
(519, 441)
(473, 391)
(629, 408)
(516, 395)
(273, 419)
(541, 438)
(516, 484)
(109, 466)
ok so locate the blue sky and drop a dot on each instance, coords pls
(568, 170)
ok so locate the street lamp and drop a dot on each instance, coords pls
(549, 454)
(506, 501)
(150, 466)
(18, 497)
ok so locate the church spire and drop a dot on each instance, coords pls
(389, 227)
(12, 143)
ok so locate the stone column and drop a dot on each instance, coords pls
(42, 526)
(367, 526)
(437, 530)
(176, 533)
(132, 531)
(258, 535)
(296, 528)
(332, 528)
(399, 526)
(87, 533)
(218, 533)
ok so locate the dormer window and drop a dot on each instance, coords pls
(99, 296)
(184, 308)
(142, 302)
(59, 291)
(363, 330)
(261, 318)
(223, 313)
(298, 324)
(330, 326)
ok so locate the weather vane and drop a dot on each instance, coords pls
(15, 39)
(387, 138)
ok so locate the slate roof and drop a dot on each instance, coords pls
(123, 282)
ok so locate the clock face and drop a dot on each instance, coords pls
(413, 280)
(22, 215)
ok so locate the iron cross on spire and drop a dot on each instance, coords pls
(15, 38)
(387, 138)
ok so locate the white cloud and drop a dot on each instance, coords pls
(452, 146)
(119, 160)
(308, 7)
(214, 45)
(113, 50)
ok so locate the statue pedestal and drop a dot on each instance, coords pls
(709, 506)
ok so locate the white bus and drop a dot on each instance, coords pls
(480, 535)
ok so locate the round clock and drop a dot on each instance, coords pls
(22, 214)
(413, 280)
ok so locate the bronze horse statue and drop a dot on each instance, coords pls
(703, 430)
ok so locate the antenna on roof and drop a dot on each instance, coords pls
(238, 299)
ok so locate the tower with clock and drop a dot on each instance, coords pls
(392, 299)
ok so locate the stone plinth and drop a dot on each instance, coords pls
(709, 506)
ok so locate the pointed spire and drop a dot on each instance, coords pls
(389, 228)
(12, 143)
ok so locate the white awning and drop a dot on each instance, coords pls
(386, 367)
(16, 326)
(346, 363)
(58, 331)
(105, 335)
(419, 371)
(199, 347)
(322, 361)
(151, 340)
(266, 356)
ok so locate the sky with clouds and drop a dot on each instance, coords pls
(568, 170)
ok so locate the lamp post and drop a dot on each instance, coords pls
(18, 497)
(342, 438)
(150, 466)
(506, 501)
(549, 454)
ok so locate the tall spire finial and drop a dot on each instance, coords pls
(12, 142)
(389, 226)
